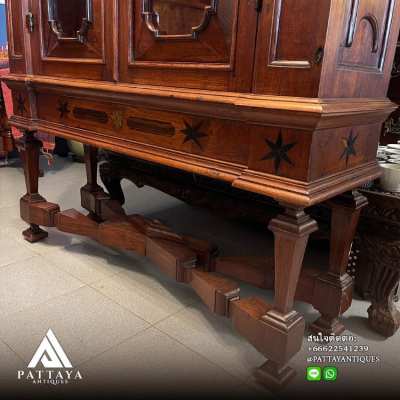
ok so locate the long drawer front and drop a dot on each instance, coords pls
(211, 138)
(283, 152)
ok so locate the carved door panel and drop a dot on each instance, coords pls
(73, 38)
(290, 47)
(367, 33)
(360, 53)
(15, 24)
(188, 43)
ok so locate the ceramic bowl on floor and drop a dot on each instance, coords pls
(390, 180)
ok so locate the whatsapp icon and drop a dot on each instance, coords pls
(329, 374)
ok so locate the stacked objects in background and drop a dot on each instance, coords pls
(389, 160)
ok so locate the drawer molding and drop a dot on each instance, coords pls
(88, 114)
(150, 126)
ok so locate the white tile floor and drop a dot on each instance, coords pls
(126, 326)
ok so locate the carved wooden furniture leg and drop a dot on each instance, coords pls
(34, 208)
(277, 330)
(92, 195)
(333, 292)
(383, 315)
(111, 177)
(378, 267)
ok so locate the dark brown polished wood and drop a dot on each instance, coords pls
(280, 98)
(316, 282)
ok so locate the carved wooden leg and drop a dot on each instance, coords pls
(278, 334)
(380, 275)
(34, 208)
(92, 194)
(383, 314)
(111, 178)
(333, 293)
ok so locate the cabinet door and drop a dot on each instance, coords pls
(290, 47)
(73, 38)
(206, 44)
(15, 25)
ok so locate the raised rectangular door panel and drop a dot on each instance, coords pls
(73, 39)
(205, 44)
(290, 47)
(358, 57)
(16, 45)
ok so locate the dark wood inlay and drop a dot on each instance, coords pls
(151, 126)
(63, 108)
(90, 115)
(278, 152)
(193, 133)
(349, 144)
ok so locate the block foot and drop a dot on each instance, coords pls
(34, 234)
(274, 377)
(327, 326)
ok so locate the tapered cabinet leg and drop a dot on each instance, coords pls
(333, 293)
(29, 148)
(111, 176)
(93, 197)
(291, 231)
(92, 194)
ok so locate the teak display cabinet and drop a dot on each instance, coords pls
(284, 98)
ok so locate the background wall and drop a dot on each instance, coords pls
(3, 29)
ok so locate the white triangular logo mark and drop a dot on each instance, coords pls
(50, 353)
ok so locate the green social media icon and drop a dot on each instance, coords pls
(330, 374)
(313, 374)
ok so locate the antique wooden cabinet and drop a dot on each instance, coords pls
(284, 98)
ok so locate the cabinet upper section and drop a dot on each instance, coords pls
(305, 48)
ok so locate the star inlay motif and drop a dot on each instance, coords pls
(193, 133)
(63, 108)
(349, 147)
(278, 152)
(21, 104)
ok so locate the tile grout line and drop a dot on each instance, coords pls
(114, 345)
(30, 308)
(151, 324)
(12, 350)
(17, 262)
(201, 355)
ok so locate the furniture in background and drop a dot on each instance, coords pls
(391, 132)
(280, 98)
(378, 276)
(378, 238)
(6, 139)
